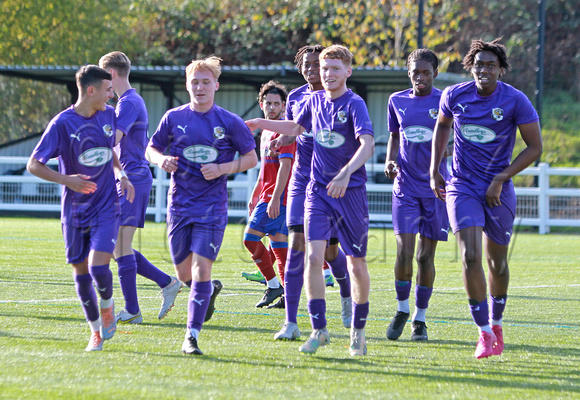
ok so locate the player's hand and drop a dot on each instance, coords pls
(211, 171)
(274, 147)
(438, 186)
(169, 164)
(492, 196)
(273, 209)
(391, 169)
(253, 124)
(337, 187)
(127, 189)
(81, 184)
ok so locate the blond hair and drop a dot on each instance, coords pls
(211, 64)
(118, 61)
(338, 52)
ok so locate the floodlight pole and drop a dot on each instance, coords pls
(540, 61)
(420, 24)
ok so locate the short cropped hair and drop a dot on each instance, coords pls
(317, 48)
(425, 55)
(477, 46)
(211, 64)
(118, 61)
(91, 75)
(272, 87)
(338, 52)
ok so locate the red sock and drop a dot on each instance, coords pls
(326, 266)
(261, 257)
(281, 254)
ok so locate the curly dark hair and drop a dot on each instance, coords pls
(317, 48)
(425, 55)
(274, 88)
(494, 46)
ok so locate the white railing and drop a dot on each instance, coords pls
(541, 206)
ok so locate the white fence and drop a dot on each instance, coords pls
(541, 206)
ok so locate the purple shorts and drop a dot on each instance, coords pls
(133, 214)
(296, 200)
(187, 235)
(260, 221)
(347, 216)
(466, 207)
(424, 215)
(101, 235)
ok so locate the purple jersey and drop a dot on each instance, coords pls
(197, 139)
(83, 146)
(484, 129)
(304, 142)
(414, 118)
(133, 121)
(336, 126)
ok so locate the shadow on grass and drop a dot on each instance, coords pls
(531, 377)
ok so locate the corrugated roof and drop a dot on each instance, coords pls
(253, 75)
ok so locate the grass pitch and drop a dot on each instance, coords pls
(43, 332)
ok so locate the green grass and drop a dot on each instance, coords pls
(43, 333)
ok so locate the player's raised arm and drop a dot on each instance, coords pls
(337, 187)
(439, 144)
(391, 166)
(244, 163)
(282, 127)
(166, 163)
(78, 182)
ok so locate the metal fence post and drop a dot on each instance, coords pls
(544, 198)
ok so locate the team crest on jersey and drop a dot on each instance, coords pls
(418, 134)
(219, 132)
(96, 157)
(329, 139)
(477, 133)
(341, 116)
(433, 113)
(108, 129)
(497, 114)
(200, 154)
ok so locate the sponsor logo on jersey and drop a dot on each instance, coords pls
(108, 129)
(433, 113)
(219, 132)
(497, 114)
(478, 134)
(96, 157)
(307, 134)
(200, 154)
(329, 139)
(418, 134)
(341, 116)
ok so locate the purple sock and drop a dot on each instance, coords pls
(403, 289)
(197, 305)
(479, 312)
(128, 281)
(422, 296)
(497, 306)
(87, 296)
(103, 278)
(317, 311)
(340, 271)
(293, 282)
(150, 271)
(359, 313)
